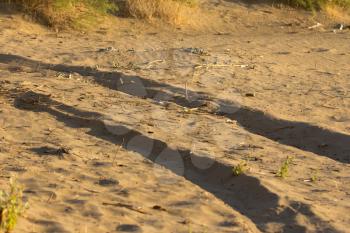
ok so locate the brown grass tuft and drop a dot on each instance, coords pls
(87, 13)
(65, 13)
(337, 13)
(176, 12)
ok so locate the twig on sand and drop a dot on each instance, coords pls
(342, 96)
(91, 191)
(326, 106)
(206, 67)
(315, 26)
(149, 64)
(186, 91)
(127, 206)
(115, 156)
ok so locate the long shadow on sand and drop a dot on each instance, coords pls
(244, 193)
(300, 135)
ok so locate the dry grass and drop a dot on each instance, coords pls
(83, 13)
(65, 13)
(338, 13)
(177, 12)
(89, 13)
(315, 5)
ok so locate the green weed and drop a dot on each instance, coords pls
(314, 177)
(11, 206)
(240, 169)
(284, 169)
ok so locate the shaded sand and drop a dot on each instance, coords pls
(136, 129)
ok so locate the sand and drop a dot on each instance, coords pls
(136, 127)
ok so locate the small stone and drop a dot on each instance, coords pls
(158, 207)
(250, 94)
(185, 221)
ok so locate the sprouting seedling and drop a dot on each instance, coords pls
(115, 64)
(284, 169)
(239, 169)
(11, 206)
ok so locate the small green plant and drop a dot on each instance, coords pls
(314, 176)
(11, 206)
(239, 169)
(189, 228)
(284, 169)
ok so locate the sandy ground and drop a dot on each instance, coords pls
(136, 128)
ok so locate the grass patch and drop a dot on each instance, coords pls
(11, 206)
